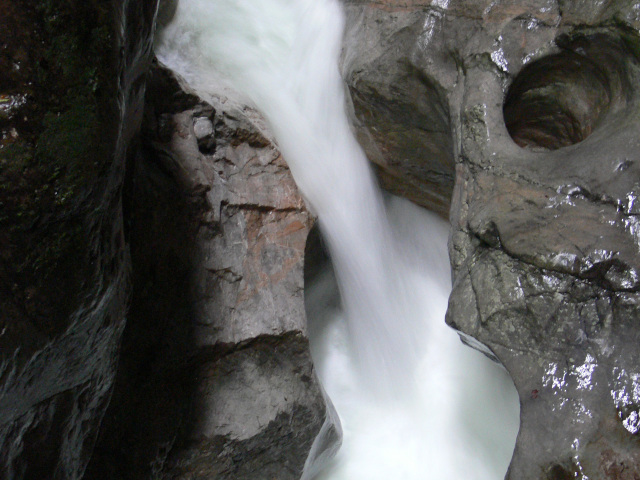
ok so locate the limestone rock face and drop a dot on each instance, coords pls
(216, 379)
(540, 99)
(71, 91)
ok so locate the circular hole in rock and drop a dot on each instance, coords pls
(556, 101)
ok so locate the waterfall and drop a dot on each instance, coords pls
(414, 402)
(461, 420)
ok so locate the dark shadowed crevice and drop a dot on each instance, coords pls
(152, 400)
(558, 472)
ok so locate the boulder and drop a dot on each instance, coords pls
(216, 378)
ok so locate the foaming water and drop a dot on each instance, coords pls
(461, 420)
(410, 396)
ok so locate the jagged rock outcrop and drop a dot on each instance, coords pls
(216, 379)
(71, 88)
(541, 101)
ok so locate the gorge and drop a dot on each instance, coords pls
(518, 119)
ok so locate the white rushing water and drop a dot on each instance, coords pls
(414, 402)
(461, 420)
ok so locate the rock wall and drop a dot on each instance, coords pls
(215, 377)
(196, 230)
(540, 99)
(71, 91)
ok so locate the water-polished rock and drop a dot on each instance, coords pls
(71, 91)
(540, 102)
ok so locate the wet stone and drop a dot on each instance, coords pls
(540, 101)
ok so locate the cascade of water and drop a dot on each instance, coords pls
(462, 419)
(283, 56)
(403, 361)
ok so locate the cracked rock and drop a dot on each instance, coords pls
(216, 378)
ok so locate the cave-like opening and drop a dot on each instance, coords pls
(556, 101)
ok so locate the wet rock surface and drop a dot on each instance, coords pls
(215, 377)
(540, 99)
(400, 114)
(71, 88)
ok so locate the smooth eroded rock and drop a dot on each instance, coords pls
(71, 88)
(540, 102)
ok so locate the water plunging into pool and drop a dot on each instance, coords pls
(414, 402)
